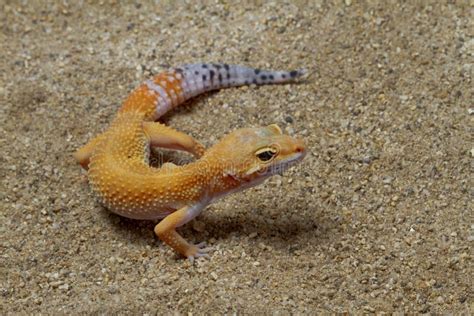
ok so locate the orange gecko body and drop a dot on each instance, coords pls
(117, 161)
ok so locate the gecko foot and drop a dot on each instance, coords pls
(197, 251)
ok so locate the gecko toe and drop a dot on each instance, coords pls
(205, 250)
(203, 255)
(199, 251)
(201, 244)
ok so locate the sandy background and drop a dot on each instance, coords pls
(378, 218)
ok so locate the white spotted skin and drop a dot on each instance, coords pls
(199, 78)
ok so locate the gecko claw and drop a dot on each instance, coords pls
(199, 251)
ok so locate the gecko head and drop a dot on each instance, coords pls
(254, 154)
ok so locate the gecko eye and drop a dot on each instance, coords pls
(266, 154)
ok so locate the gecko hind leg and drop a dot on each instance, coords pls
(163, 136)
(83, 154)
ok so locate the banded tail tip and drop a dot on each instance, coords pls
(299, 73)
(290, 76)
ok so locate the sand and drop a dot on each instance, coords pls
(379, 217)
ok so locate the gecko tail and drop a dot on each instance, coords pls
(171, 88)
(199, 78)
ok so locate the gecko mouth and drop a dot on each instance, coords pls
(284, 165)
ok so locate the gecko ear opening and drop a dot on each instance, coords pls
(275, 128)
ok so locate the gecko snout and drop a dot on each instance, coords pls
(300, 147)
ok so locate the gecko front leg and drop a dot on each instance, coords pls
(166, 231)
(166, 137)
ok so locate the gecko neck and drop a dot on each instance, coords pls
(215, 174)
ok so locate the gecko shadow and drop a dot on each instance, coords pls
(280, 233)
(284, 232)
